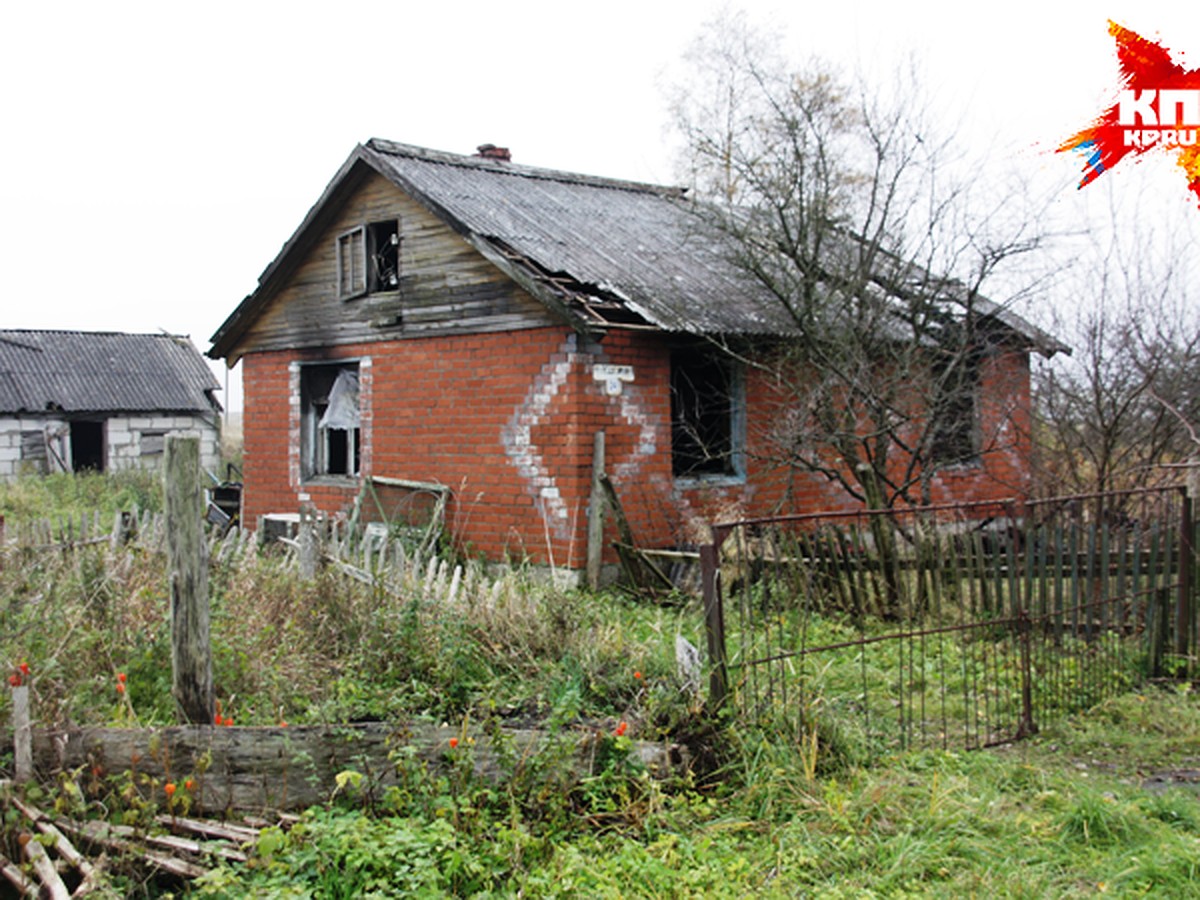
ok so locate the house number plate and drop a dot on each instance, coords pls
(613, 377)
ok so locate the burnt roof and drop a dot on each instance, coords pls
(91, 372)
(604, 252)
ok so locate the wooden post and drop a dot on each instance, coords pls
(595, 539)
(187, 557)
(22, 735)
(307, 542)
(1185, 614)
(714, 626)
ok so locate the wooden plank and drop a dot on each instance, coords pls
(62, 846)
(222, 830)
(106, 835)
(43, 867)
(595, 532)
(22, 746)
(16, 877)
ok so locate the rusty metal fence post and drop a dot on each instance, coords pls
(1027, 726)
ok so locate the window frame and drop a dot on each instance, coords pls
(33, 451)
(152, 442)
(352, 263)
(728, 414)
(957, 432)
(320, 457)
(364, 253)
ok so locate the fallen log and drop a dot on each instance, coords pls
(272, 769)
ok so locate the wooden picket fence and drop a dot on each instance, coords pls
(366, 554)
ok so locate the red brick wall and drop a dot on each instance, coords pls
(664, 513)
(491, 416)
(506, 420)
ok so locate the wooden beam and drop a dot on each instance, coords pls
(595, 533)
(187, 554)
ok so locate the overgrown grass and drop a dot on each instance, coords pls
(65, 497)
(329, 649)
(1066, 814)
(1022, 822)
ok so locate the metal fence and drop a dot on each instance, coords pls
(955, 627)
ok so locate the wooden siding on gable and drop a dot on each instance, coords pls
(445, 286)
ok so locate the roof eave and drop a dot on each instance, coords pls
(225, 339)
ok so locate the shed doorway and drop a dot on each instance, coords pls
(87, 446)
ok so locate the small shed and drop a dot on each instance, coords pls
(101, 401)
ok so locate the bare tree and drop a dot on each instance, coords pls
(844, 210)
(1128, 402)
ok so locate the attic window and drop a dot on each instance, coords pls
(368, 259)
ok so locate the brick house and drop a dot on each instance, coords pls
(74, 400)
(472, 322)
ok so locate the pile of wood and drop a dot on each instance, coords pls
(52, 863)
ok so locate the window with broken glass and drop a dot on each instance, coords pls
(330, 420)
(955, 433)
(707, 415)
(368, 259)
(33, 451)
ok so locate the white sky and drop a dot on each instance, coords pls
(156, 155)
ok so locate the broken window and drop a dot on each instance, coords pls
(331, 433)
(955, 410)
(151, 443)
(368, 259)
(707, 412)
(33, 452)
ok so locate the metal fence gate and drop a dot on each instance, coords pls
(955, 626)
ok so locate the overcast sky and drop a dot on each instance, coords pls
(156, 155)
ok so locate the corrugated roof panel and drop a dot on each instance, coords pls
(621, 244)
(640, 242)
(102, 372)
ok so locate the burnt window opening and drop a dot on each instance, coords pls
(707, 411)
(331, 433)
(955, 438)
(368, 259)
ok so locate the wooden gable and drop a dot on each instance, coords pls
(444, 285)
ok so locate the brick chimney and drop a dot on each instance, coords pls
(491, 151)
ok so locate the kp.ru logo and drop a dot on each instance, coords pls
(1169, 118)
(1158, 106)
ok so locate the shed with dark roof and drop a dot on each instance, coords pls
(71, 400)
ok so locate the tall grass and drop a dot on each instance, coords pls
(66, 496)
(803, 814)
(324, 649)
